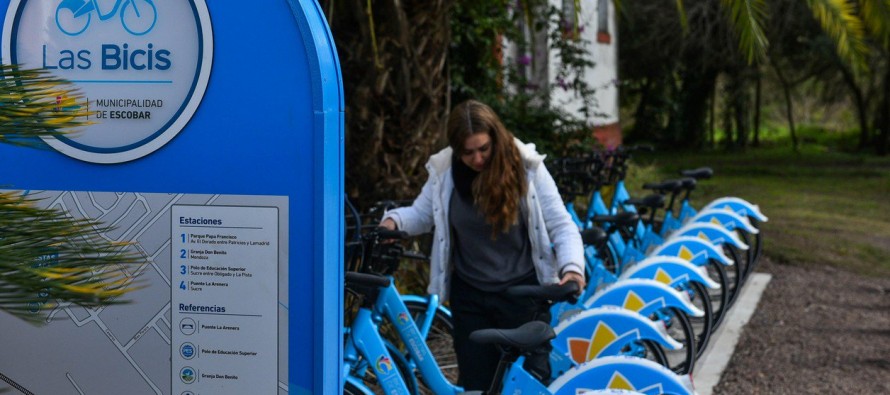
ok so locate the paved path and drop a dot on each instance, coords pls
(710, 365)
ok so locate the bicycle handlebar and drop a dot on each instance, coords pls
(386, 234)
(567, 292)
(366, 280)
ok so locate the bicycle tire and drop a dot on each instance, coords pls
(740, 258)
(701, 326)
(653, 352)
(758, 245)
(750, 253)
(609, 259)
(735, 273)
(719, 297)
(680, 361)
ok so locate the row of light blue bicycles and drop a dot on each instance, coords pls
(660, 282)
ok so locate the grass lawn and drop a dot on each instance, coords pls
(824, 208)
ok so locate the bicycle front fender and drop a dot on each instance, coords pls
(738, 206)
(611, 392)
(692, 249)
(643, 296)
(727, 219)
(622, 372)
(716, 234)
(606, 331)
(669, 270)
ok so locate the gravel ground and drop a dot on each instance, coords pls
(816, 330)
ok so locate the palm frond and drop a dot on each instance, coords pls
(876, 16)
(47, 257)
(839, 20)
(681, 11)
(747, 18)
(35, 104)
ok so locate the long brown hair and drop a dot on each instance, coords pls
(500, 186)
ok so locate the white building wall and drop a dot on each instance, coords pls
(603, 76)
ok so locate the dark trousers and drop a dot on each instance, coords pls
(473, 309)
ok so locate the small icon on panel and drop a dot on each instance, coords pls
(187, 350)
(187, 375)
(187, 326)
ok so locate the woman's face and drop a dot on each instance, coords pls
(477, 151)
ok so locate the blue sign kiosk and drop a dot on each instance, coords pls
(216, 150)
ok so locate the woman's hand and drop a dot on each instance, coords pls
(388, 223)
(576, 277)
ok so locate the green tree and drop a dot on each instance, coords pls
(404, 64)
(46, 256)
(700, 41)
(395, 77)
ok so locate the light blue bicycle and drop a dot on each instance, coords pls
(367, 353)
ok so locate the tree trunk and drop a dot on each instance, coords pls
(884, 136)
(757, 107)
(738, 101)
(713, 110)
(789, 110)
(643, 121)
(687, 124)
(861, 107)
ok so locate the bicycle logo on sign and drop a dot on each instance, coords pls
(138, 17)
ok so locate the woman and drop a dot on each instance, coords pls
(499, 221)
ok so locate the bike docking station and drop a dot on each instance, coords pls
(214, 152)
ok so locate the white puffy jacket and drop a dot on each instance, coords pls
(555, 242)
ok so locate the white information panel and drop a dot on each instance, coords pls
(224, 300)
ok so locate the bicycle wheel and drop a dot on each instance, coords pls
(701, 326)
(609, 258)
(719, 297)
(735, 273)
(758, 245)
(647, 349)
(680, 329)
(750, 253)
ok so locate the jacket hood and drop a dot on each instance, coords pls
(441, 161)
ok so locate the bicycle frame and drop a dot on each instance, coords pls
(432, 305)
(364, 341)
(648, 238)
(390, 305)
(694, 249)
